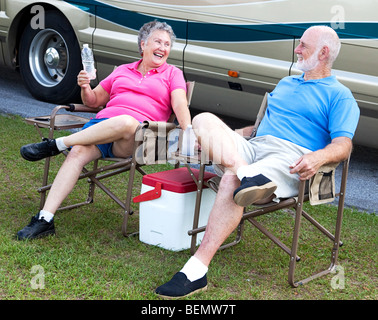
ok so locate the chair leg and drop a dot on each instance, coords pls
(44, 183)
(297, 224)
(197, 208)
(335, 249)
(45, 178)
(195, 230)
(92, 183)
(320, 227)
(294, 248)
(238, 237)
(277, 241)
(45, 187)
(340, 211)
(128, 210)
(337, 243)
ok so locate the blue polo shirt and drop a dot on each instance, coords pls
(310, 113)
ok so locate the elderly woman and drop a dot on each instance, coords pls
(148, 89)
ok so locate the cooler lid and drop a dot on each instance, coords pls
(175, 180)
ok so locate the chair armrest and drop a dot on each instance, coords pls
(322, 184)
(77, 107)
(158, 126)
(151, 142)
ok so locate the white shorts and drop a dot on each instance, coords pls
(271, 157)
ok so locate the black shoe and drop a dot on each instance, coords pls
(253, 189)
(179, 286)
(41, 150)
(37, 228)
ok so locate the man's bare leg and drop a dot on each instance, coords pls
(216, 140)
(225, 216)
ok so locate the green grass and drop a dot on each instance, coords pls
(89, 258)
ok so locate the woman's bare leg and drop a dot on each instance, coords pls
(68, 175)
(119, 129)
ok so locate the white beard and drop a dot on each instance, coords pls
(308, 64)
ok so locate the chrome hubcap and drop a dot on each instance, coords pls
(48, 57)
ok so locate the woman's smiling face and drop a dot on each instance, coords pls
(156, 49)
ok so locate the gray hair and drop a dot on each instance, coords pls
(328, 38)
(148, 28)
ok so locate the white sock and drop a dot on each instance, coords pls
(194, 269)
(60, 144)
(46, 215)
(246, 171)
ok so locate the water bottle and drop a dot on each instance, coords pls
(88, 61)
(189, 140)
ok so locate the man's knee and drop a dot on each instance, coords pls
(202, 120)
(228, 183)
(206, 126)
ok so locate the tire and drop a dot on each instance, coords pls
(49, 60)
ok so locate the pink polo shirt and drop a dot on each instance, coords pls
(142, 97)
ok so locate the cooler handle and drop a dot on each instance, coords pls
(149, 195)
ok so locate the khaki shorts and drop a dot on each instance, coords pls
(271, 157)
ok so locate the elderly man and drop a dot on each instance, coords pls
(310, 121)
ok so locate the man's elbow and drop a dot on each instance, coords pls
(345, 147)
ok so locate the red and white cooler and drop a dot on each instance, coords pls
(166, 209)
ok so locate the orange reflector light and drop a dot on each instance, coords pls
(233, 73)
